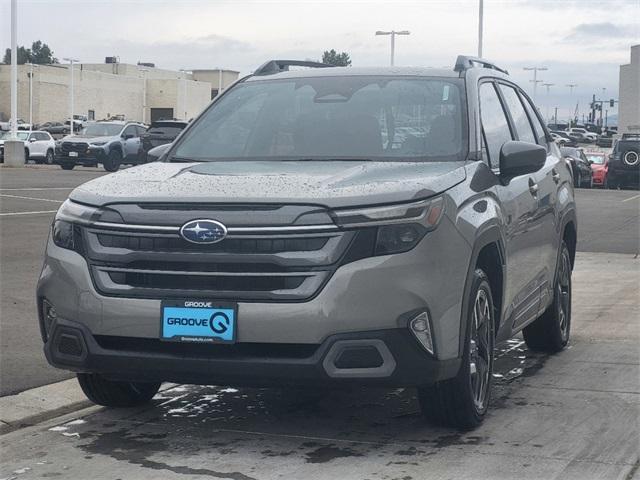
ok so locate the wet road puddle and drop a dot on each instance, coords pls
(238, 433)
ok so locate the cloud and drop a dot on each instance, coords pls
(602, 31)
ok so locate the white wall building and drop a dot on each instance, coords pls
(629, 106)
(104, 90)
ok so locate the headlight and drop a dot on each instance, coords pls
(62, 233)
(400, 227)
(398, 238)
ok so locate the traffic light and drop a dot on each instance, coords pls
(612, 102)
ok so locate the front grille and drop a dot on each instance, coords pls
(220, 351)
(286, 266)
(231, 245)
(247, 282)
(79, 147)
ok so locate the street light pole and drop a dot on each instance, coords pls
(535, 78)
(31, 96)
(14, 69)
(393, 34)
(71, 123)
(571, 87)
(144, 94)
(548, 85)
(480, 22)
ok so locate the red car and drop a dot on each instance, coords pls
(599, 165)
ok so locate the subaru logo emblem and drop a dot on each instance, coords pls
(203, 231)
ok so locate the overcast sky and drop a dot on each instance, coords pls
(581, 42)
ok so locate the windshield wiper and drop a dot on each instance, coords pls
(183, 160)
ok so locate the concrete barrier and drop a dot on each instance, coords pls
(14, 153)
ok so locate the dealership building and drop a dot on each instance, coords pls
(111, 89)
(629, 107)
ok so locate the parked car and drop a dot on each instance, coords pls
(287, 237)
(582, 135)
(599, 166)
(561, 141)
(624, 162)
(604, 141)
(40, 147)
(159, 133)
(22, 125)
(110, 143)
(568, 140)
(55, 128)
(558, 126)
(580, 167)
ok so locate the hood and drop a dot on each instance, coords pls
(329, 183)
(86, 138)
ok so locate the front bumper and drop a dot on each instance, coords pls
(367, 299)
(402, 364)
(91, 156)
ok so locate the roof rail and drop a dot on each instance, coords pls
(464, 62)
(277, 66)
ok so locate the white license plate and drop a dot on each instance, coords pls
(73, 154)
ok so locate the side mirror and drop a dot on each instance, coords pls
(31, 140)
(127, 136)
(158, 152)
(521, 158)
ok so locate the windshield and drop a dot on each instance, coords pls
(102, 130)
(597, 159)
(19, 135)
(332, 118)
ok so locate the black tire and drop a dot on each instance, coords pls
(116, 394)
(612, 182)
(113, 161)
(550, 332)
(67, 166)
(461, 402)
(48, 159)
(26, 155)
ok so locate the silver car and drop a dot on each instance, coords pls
(323, 227)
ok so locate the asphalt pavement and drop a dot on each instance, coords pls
(570, 416)
(609, 221)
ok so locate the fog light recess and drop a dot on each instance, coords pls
(420, 326)
(49, 314)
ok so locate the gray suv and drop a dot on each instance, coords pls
(111, 143)
(322, 227)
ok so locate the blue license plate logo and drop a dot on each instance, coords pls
(198, 322)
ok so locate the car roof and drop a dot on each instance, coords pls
(358, 71)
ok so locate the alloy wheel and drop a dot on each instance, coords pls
(563, 293)
(480, 350)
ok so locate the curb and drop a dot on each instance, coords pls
(39, 404)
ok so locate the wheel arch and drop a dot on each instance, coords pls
(570, 234)
(488, 253)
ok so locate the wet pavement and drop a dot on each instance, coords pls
(574, 415)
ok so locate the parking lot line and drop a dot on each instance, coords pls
(30, 198)
(35, 189)
(630, 198)
(26, 213)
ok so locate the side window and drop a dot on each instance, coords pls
(537, 125)
(518, 114)
(494, 122)
(130, 130)
(141, 130)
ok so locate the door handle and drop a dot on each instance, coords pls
(555, 175)
(533, 187)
